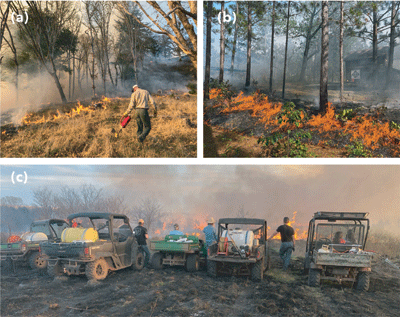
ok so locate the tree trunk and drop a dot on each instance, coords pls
(392, 43)
(341, 77)
(286, 48)
(271, 64)
(208, 51)
(222, 46)
(73, 75)
(249, 30)
(59, 87)
(235, 38)
(323, 93)
(69, 74)
(375, 43)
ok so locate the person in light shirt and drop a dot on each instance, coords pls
(176, 230)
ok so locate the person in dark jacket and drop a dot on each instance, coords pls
(288, 241)
(141, 237)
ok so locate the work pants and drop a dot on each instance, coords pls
(143, 123)
(285, 252)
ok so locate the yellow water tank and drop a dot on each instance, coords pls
(79, 234)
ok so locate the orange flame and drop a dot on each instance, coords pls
(366, 128)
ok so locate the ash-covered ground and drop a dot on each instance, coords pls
(175, 292)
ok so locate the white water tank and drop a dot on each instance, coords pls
(239, 236)
(34, 236)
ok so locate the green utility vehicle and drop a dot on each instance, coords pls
(27, 250)
(185, 250)
(334, 249)
(241, 248)
(101, 242)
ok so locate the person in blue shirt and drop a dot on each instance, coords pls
(176, 230)
(210, 232)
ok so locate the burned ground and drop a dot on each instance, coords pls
(365, 125)
(175, 292)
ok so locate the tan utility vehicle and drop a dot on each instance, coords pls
(335, 249)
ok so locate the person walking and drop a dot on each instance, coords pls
(141, 237)
(210, 232)
(287, 242)
(140, 101)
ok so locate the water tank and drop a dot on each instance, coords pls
(34, 236)
(79, 234)
(240, 237)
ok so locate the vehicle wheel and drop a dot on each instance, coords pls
(37, 262)
(54, 270)
(137, 260)
(314, 277)
(157, 261)
(306, 264)
(97, 270)
(257, 271)
(362, 281)
(192, 263)
(212, 268)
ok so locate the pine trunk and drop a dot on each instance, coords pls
(222, 46)
(286, 48)
(341, 74)
(323, 94)
(271, 64)
(235, 38)
(208, 52)
(249, 31)
(392, 44)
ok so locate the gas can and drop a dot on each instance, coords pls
(124, 121)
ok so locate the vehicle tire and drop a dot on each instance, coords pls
(54, 270)
(157, 261)
(137, 260)
(212, 268)
(97, 270)
(306, 264)
(314, 278)
(37, 262)
(362, 281)
(257, 271)
(192, 263)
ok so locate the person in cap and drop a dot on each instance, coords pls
(287, 239)
(141, 237)
(140, 101)
(210, 232)
(176, 230)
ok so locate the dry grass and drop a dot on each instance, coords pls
(384, 243)
(88, 134)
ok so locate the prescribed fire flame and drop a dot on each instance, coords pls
(366, 128)
(28, 118)
(297, 234)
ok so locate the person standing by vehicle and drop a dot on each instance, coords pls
(210, 233)
(140, 101)
(141, 237)
(287, 242)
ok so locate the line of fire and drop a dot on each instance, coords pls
(302, 79)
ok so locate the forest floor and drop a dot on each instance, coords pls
(254, 124)
(175, 292)
(82, 129)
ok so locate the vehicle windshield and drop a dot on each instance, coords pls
(41, 228)
(58, 228)
(340, 233)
